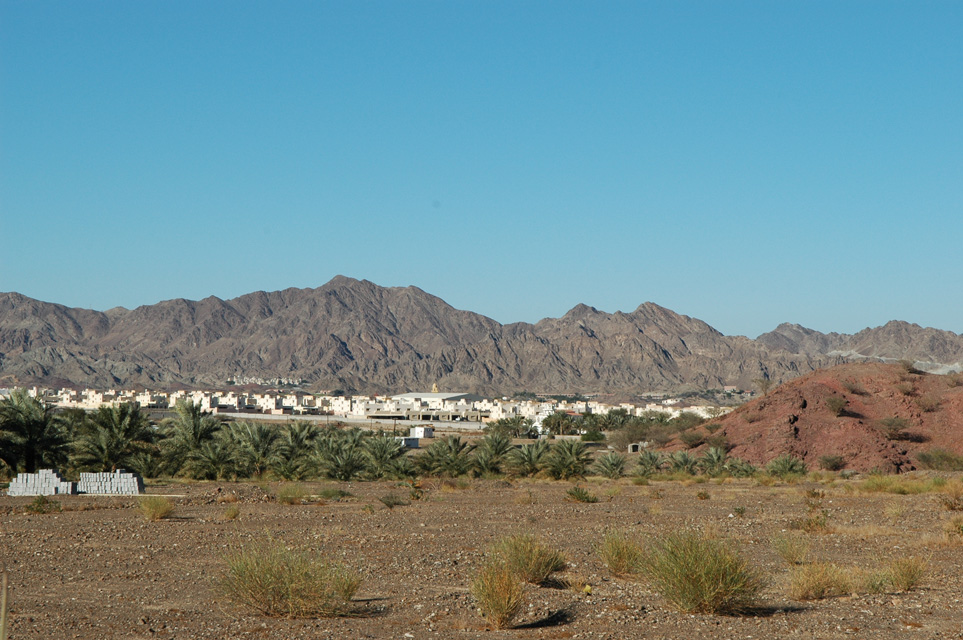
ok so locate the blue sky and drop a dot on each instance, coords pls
(746, 163)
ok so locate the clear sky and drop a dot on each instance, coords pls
(745, 163)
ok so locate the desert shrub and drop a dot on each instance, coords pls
(819, 580)
(527, 557)
(792, 548)
(567, 459)
(954, 380)
(43, 504)
(611, 465)
(718, 441)
(393, 500)
(231, 512)
(832, 462)
(909, 367)
(155, 508)
(692, 439)
(291, 494)
(836, 405)
(928, 403)
(954, 527)
(786, 466)
(906, 388)
(578, 494)
(901, 485)
(816, 521)
(621, 554)
(701, 575)
(498, 593)
(712, 427)
(703, 495)
(278, 581)
(907, 572)
(333, 493)
(893, 428)
(940, 460)
(854, 387)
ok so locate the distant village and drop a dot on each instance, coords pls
(415, 406)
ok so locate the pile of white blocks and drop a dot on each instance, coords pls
(46, 482)
(117, 482)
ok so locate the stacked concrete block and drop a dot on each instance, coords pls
(117, 482)
(45, 482)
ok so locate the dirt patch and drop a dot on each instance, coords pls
(94, 573)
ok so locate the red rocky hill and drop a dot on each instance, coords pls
(874, 415)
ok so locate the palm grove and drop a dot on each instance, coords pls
(197, 445)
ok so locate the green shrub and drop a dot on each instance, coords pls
(940, 460)
(786, 466)
(836, 405)
(701, 575)
(531, 560)
(333, 493)
(292, 494)
(498, 593)
(155, 508)
(611, 465)
(43, 504)
(578, 494)
(893, 428)
(231, 512)
(276, 581)
(620, 553)
(567, 459)
(692, 439)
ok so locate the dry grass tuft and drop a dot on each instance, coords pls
(621, 554)
(792, 548)
(907, 572)
(701, 575)
(530, 559)
(819, 580)
(276, 581)
(155, 508)
(498, 593)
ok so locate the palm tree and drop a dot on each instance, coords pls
(611, 465)
(649, 462)
(527, 460)
(256, 445)
(31, 435)
(213, 460)
(681, 461)
(186, 433)
(449, 457)
(568, 459)
(491, 454)
(112, 438)
(558, 423)
(339, 454)
(383, 453)
(713, 461)
(292, 459)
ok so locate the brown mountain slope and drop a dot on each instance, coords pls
(798, 417)
(356, 335)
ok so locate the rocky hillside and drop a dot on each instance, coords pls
(873, 415)
(358, 336)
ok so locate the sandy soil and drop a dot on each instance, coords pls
(99, 570)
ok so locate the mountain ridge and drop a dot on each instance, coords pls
(358, 336)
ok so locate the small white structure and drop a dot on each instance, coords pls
(407, 443)
(421, 432)
(45, 482)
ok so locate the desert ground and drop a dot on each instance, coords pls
(98, 569)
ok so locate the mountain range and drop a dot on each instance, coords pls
(356, 336)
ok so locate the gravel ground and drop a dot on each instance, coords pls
(99, 570)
